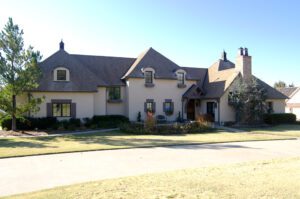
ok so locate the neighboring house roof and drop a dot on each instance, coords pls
(288, 91)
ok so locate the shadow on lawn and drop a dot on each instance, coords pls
(276, 128)
(11, 143)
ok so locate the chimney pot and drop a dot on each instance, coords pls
(241, 51)
(61, 45)
(246, 52)
(224, 56)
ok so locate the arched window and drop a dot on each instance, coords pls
(61, 74)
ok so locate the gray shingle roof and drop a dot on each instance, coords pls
(86, 72)
(289, 91)
(164, 68)
(81, 78)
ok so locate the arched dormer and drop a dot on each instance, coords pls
(181, 78)
(61, 74)
(149, 73)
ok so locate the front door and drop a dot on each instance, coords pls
(191, 110)
(210, 106)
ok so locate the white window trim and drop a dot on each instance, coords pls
(67, 74)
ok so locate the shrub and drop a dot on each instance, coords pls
(149, 122)
(29, 123)
(280, 118)
(109, 121)
(136, 128)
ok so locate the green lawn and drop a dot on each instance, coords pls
(10, 147)
(287, 130)
(265, 179)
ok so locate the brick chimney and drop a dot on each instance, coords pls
(244, 63)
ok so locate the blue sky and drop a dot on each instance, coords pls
(191, 33)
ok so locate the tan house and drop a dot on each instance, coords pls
(83, 86)
(293, 103)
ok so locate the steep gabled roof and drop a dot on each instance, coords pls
(81, 78)
(288, 91)
(164, 68)
(272, 93)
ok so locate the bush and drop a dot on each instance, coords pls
(280, 118)
(109, 121)
(188, 128)
(29, 123)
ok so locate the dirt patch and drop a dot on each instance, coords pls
(22, 133)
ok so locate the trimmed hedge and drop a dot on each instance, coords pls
(29, 123)
(280, 118)
(105, 121)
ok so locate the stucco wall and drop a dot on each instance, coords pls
(278, 105)
(163, 89)
(227, 112)
(117, 108)
(84, 102)
(100, 101)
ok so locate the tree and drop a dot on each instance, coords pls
(280, 84)
(291, 85)
(248, 100)
(19, 73)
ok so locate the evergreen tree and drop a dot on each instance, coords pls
(249, 101)
(19, 73)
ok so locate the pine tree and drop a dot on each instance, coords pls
(19, 72)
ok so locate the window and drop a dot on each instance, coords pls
(61, 75)
(149, 106)
(180, 78)
(148, 77)
(168, 107)
(61, 109)
(270, 107)
(114, 93)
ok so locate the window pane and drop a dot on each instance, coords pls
(180, 78)
(114, 93)
(150, 106)
(56, 110)
(66, 110)
(148, 77)
(61, 75)
(167, 106)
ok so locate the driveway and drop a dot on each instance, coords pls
(26, 174)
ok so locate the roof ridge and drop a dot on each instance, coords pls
(102, 56)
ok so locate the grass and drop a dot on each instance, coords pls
(18, 146)
(285, 130)
(265, 179)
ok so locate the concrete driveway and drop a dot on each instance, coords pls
(26, 174)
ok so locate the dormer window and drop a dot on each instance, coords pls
(148, 77)
(180, 74)
(61, 74)
(180, 78)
